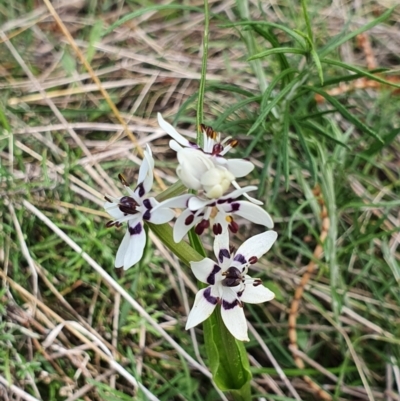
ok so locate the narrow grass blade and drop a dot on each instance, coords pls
(345, 113)
(255, 24)
(340, 40)
(359, 71)
(277, 51)
(264, 113)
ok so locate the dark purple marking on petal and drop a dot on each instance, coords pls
(235, 207)
(229, 305)
(240, 293)
(108, 199)
(147, 204)
(141, 189)
(211, 276)
(221, 201)
(189, 219)
(217, 229)
(223, 253)
(147, 215)
(135, 230)
(210, 298)
(199, 229)
(257, 282)
(240, 258)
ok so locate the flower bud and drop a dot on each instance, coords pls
(193, 164)
(216, 181)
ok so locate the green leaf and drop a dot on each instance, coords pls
(336, 42)
(359, 71)
(377, 146)
(345, 113)
(200, 101)
(289, 31)
(233, 108)
(277, 50)
(227, 357)
(310, 40)
(264, 112)
(271, 38)
(285, 146)
(145, 10)
(94, 37)
(318, 65)
(311, 161)
(3, 120)
(311, 125)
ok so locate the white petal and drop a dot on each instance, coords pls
(132, 246)
(161, 215)
(180, 201)
(206, 271)
(254, 213)
(119, 259)
(146, 171)
(256, 294)
(239, 167)
(221, 242)
(171, 131)
(203, 307)
(181, 228)
(175, 145)
(113, 210)
(233, 317)
(238, 192)
(196, 203)
(257, 245)
(250, 198)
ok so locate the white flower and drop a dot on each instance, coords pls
(229, 284)
(133, 209)
(220, 211)
(196, 162)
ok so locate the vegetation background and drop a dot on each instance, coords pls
(312, 94)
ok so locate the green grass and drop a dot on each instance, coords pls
(265, 67)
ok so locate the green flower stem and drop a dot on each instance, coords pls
(200, 102)
(174, 190)
(182, 249)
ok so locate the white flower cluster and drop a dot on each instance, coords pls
(206, 170)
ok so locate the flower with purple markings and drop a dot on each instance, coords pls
(135, 208)
(229, 283)
(218, 213)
